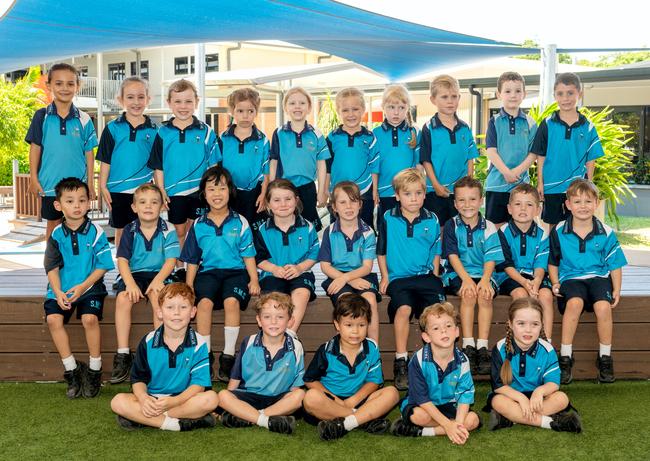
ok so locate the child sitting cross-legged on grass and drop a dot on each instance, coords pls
(171, 372)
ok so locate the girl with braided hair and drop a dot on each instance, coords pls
(526, 375)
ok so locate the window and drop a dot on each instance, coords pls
(181, 66)
(116, 71)
(212, 62)
(144, 69)
(83, 71)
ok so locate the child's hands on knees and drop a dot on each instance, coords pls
(616, 297)
(485, 289)
(62, 300)
(260, 203)
(526, 410)
(154, 288)
(322, 199)
(468, 289)
(75, 293)
(441, 191)
(556, 290)
(537, 401)
(337, 284)
(292, 271)
(149, 408)
(456, 432)
(279, 272)
(359, 284)
(106, 196)
(133, 292)
(383, 285)
(254, 288)
(165, 200)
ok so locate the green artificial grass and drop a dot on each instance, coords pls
(37, 422)
(632, 231)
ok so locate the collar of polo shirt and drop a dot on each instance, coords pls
(83, 229)
(597, 230)
(335, 349)
(73, 113)
(532, 230)
(520, 114)
(437, 123)
(146, 124)
(362, 131)
(189, 341)
(363, 227)
(287, 127)
(581, 119)
(300, 222)
(532, 350)
(196, 123)
(481, 224)
(256, 134)
(404, 126)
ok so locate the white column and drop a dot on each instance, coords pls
(199, 73)
(547, 77)
(100, 93)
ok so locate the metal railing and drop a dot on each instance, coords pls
(110, 90)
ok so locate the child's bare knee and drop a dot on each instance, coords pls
(209, 401)
(420, 417)
(89, 321)
(312, 399)
(118, 403)
(54, 321)
(471, 421)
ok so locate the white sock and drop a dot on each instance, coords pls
(546, 422)
(350, 422)
(401, 355)
(468, 342)
(263, 421)
(428, 432)
(69, 363)
(605, 349)
(95, 363)
(207, 342)
(170, 424)
(230, 335)
(481, 343)
(566, 350)
(123, 350)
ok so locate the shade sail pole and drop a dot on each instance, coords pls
(199, 73)
(547, 77)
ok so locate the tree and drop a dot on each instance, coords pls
(563, 58)
(617, 59)
(18, 102)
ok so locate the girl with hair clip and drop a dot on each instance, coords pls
(526, 376)
(397, 141)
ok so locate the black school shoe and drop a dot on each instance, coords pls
(401, 374)
(74, 379)
(605, 365)
(233, 422)
(483, 361)
(402, 428)
(498, 421)
(127, 424)
(198, 423)
(566, 421)
(92, 383)
(332, 429)
(226, 362)
(376, 426)
(470, 352)
(121, 368)
(282, 424)
(566, 363)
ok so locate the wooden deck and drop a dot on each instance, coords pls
(27, 352)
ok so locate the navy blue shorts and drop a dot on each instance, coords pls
(309, 198)
(417, 292)
(443, 207)
(496, 206)
(447, 409)
(455, 283)
(257, 401)
(142, 280)
(219, 284)
(371, 278)
(93, 304)
(121, 212)
(244, 204)
(554, 209)
(184, 207)
(589, 290)
(48, 211)
(509, 285)
(304, 280)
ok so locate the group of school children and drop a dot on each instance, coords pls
(242, 220)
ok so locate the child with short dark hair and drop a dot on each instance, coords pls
(567, 146)
(471, 246)
(61, 139)
(345, 377)
(585, 267)
(266, 395)
(77, 256)
(170, 376)
(441, 389)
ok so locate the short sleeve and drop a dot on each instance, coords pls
(35, 132)
(125, 248)
(314, 244)
(236, 372)
(191, 252)
(103, 253)
(140, 371)
(541, 257)
(418, 392)
(614, 256)
(369, 247)
(375, 373)
(373, 156)
(318, 366)
(383, 236)
(507, 252)
(200, 366)
(156, 156)
(495, 370)
(491, 135)
(246, 246)
(552, 369)
(329, 161)
(90, 136)
(265, 156)
(416, 151)
(492, 250)
(262, 252)
(300, 369)
(472, 149)
(554, 249)
(171, 248)
(595, 149)
(212, 147)
(106, 146)
(274, 153)
(325, 252)
(322, 150)
(449, 240)
(425, 145)
(53, 258)
(540, 143)
(465, 387)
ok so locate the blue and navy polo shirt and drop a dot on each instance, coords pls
(449, 151)
(262, 374)
(127, 149)
(77, 254)
(395, 153)
(596, 255)
(64, 143)
(184, 155)
(332, 369)
(512, 137)
(148, 255)
(525, 251)
(430, 383)
(474, 247)
(297, 244)
(167, 372)
(410, 247)
(247, 160)
(298, 153)
(219, 247)
(354, 157)
(566, 149)
(347, 254)
(530, 369)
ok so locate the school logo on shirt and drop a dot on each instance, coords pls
(197, 139)
(311, 145)
(76, 132)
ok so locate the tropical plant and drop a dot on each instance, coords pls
(328, 119)
(18, 102)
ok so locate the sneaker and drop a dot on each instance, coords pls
(566, 421)
(403, 428)
(127, 424)
(566, 363)
(92, 383)
(199, 423)
(401, 374)
(121, 368)
(282, 424)
(605, 365)
(483, 362)
(376, 426)
(332, 429)
(180, 275)
(226, 362)
(234, 422)
(470, 352)
(498, 421)
(74, 378)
